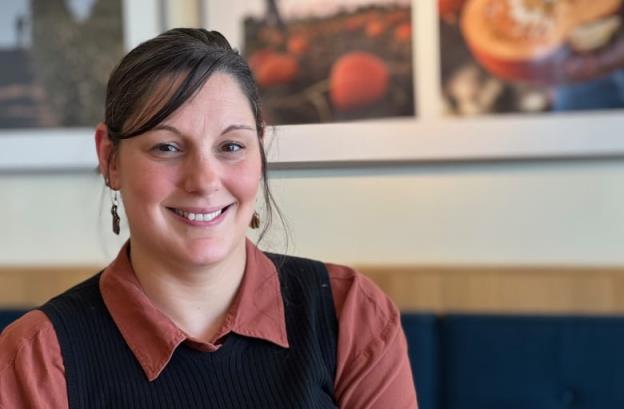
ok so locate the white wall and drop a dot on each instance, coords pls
(504, 213)
(499, 213)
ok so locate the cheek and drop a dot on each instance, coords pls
(244, 181)
(143, 184)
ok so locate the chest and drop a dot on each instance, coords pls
(246, 372)
(242, 374)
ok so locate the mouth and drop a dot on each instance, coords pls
(199, 216)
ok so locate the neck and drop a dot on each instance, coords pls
(196, 299)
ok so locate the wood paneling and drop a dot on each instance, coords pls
(503, 289)
(414, 288)
(30, 286)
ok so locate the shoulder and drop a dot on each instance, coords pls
(361, 306)
(373, 368)
(367, 316)
(351, 288)
(33, 331)
(31, 365)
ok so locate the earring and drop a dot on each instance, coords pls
(114, 213)
(255, 220)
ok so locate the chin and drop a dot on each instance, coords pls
(207, 252)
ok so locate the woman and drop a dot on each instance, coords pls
(191, 314)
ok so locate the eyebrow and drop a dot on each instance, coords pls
(236, 127)
(176, 131)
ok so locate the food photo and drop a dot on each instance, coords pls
(531, 55)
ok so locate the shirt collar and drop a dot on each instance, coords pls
(257, 311)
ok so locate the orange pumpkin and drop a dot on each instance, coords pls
(513, 48)
(276, 69)
(358, 79)
(403, 32)
(375, 28)
(298, 44)
(258, 58)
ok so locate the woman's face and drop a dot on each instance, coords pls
(189, 185)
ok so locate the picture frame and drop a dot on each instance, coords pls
(427, 137)
(63, 149)
(430, 136)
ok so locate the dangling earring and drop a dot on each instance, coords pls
(255, 220)
(114, 213)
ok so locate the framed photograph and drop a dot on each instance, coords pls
(55, 58)
(531, 56)
(433, 133)
(319, 62)
(429, 123)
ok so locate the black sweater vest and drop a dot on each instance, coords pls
(102, 372)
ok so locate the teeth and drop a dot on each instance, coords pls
(200, 217)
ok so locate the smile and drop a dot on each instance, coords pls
(199, 217)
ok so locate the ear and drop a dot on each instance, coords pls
(107, 156)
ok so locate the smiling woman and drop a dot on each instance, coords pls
(191, 314)
(189, 185)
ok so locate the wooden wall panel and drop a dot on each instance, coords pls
(30, 286)
(414, 288)
(503, 289)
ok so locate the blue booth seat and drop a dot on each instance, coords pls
(522, 362)
(423, 339)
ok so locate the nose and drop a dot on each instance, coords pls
(201, 174)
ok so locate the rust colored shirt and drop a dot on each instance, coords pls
(373, 369)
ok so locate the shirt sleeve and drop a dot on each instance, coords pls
(32, 374)
(373, 369)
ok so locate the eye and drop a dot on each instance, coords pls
(232, 147)
(166, 148)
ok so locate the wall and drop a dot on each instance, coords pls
(505, 213)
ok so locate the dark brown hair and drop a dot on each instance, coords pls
(158, 76)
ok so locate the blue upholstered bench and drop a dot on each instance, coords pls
(532, 362)
(517, 362)
(423, 339)
(510, 361)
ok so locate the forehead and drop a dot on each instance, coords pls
(219, 99)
